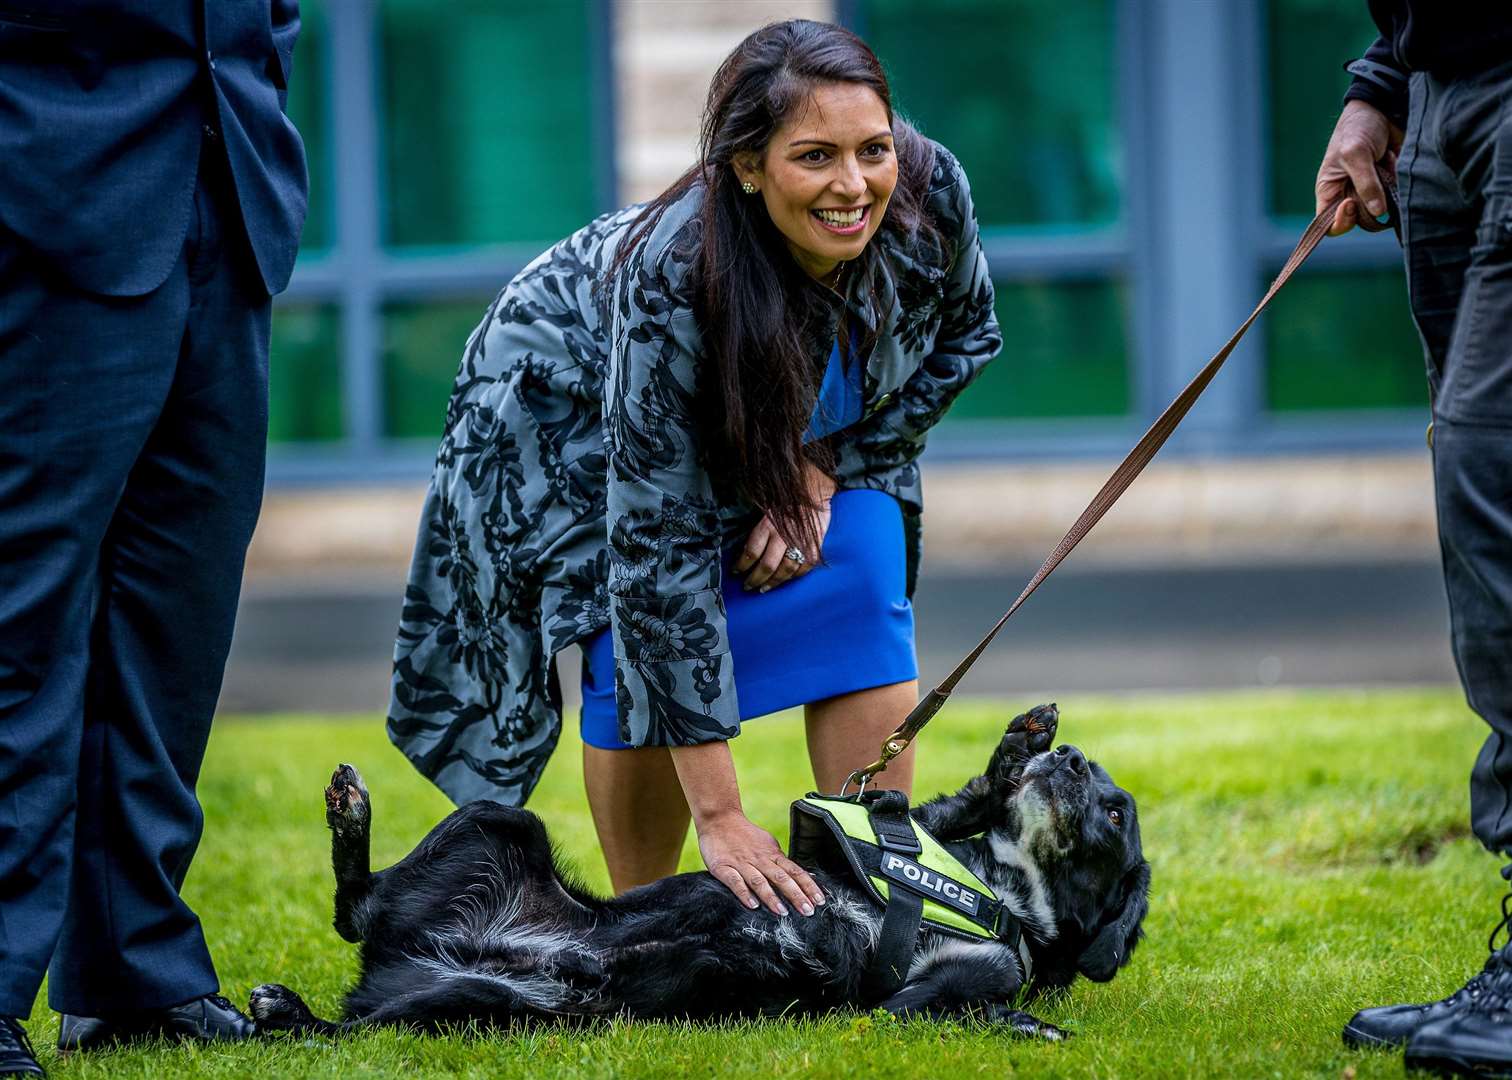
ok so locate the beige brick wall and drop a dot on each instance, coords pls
(1273, 509)
(666, 52)
(1231, 510)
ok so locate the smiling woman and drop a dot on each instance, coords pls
(825, 189)
(685, 439)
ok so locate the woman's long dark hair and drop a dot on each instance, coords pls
(757, 309)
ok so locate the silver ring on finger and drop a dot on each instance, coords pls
(795, 554)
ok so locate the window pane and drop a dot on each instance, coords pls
(1021, 91)
(487, 127)
(1310, 40)
(422, 349)
(309, 109)
(1064, 353)
(304, 374)
(1321, 353)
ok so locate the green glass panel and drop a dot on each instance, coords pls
(304, 374)
(1064, 353)
(1022, 91)
(1309, 42)
(310, 111)
(487, 121)
(422, 349)
(1323, 352)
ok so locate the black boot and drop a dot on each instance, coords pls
(16, 1055)
(1394, 1025)
(207, 1019)
(1474, 1040)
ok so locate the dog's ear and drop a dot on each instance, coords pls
(1111, 947)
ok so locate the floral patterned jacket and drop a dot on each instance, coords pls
(569, 493)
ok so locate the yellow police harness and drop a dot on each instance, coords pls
(871, 839)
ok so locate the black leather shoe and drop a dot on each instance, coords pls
(1393, 1025)
(1473, 1041)
(16, 1055)
(207, 1019)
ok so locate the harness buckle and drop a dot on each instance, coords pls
(887, 811)
(1005, 927)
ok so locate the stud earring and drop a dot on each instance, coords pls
(748, 187)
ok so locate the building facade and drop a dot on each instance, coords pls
(1140, 167)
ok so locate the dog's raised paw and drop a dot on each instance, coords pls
(1030, 733)
(1043, 722)
(1038, 726)
(1042, 718)
(346, 799)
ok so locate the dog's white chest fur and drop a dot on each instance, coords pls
(1031, 903)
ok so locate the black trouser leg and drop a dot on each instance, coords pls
(131, 453)
(81, 382)
(1472, 468)
(170, 574)
(1457, 189)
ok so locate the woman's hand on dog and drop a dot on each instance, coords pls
(751, 864)
(743, 857)
(763, 558)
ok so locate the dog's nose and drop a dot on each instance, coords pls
(1074, 759)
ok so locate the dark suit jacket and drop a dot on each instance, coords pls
(103, 105)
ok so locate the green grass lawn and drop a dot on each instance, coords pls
(1310, 857)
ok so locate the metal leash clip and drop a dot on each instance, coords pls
(894, 746)
(859, 778)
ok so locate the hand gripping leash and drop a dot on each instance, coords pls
(1126, 472)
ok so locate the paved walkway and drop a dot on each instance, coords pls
(304, 647)
(1313, 571)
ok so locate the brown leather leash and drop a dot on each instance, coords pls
(1129, 469)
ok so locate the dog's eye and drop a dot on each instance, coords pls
(1116, 817)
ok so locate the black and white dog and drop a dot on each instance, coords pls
(479, 924)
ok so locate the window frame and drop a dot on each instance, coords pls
(1190, 246)
(358, 275)
(1182, 307)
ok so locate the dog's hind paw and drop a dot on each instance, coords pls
(277, 1008)
(347, 803)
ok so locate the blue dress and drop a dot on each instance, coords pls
(847, 625)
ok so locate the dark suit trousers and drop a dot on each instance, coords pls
(1455, 175)
(132, 434)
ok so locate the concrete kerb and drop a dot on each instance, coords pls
(1240, 511)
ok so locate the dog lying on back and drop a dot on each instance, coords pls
(479, 924)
